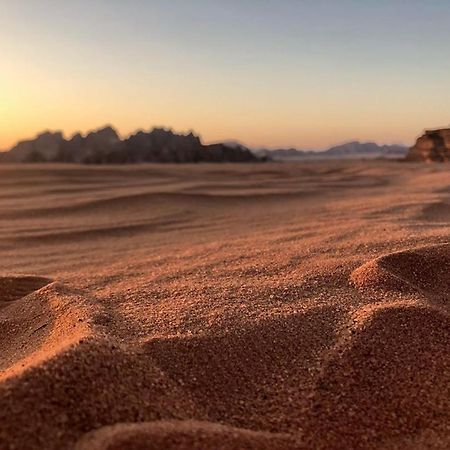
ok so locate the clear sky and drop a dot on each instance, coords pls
(277, 73)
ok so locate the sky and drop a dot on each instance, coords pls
(269, 73)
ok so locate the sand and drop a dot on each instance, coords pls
(267, 306)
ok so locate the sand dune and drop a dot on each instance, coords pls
(14, 288)
(389, 380)
(423, 270)
(280, 306)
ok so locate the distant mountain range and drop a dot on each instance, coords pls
(349, 150)
(104, 146)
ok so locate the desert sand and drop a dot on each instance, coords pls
(259, 306)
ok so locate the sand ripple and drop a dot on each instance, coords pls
(258, 308)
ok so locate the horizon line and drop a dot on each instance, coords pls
(123, 136)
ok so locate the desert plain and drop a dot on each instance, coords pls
(246, 306)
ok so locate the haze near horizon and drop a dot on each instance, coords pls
(267, 73)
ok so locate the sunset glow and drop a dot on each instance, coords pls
(267, 73)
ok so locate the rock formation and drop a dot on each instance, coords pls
(92, 148)
(44, 147)
(104, 146)
(160, 145)
(434, 145)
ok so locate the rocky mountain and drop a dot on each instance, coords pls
(104, 146)
(160, 145)
(44, 147)
(92, 148)
(434, 145)
(349, 150)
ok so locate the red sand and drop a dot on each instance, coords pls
(275, 306)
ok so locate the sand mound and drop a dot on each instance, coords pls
(13, 288)
(186, 435)
(87, 386)
(39, 325)
(426, 270)
(250, 377)
(64, 375)
(37, 333)
(389, 380)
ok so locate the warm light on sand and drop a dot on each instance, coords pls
(269, 298)
(159, 293)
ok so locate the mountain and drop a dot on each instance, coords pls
(45, 146)
(104, 146)
(349, 150)
(434, 145)
(366, 148)
(91, 148)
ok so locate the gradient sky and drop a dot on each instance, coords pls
(266, 72)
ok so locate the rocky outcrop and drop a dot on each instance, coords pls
(223, 152)
(160, 145)
(434, 145)
(91, 148)
(104, 146)
(44, 147)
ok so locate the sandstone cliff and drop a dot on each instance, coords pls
(434, 145)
